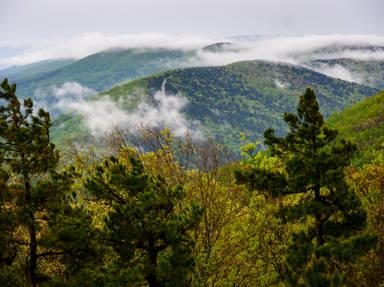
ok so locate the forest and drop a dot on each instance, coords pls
(153, 209)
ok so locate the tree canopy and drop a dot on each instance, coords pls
(157, 210)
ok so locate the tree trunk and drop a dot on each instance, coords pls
(152, 276)
(319, 232)
(32, 255)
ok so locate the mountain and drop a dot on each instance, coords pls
(223, 101)
(102, 70)
(16, 73)
(367, 72)
(217, 47)
(362, 123)
(338, 51)
(248, 96)
(108, 68)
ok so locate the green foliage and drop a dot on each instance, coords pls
(148, 223)
(362, 124)
(26, 152)
(38, 222)
(243, 97)
(313, 173)
(368, 182)
(98, 71)
(170, 213)
(8, 248)
(16, 73)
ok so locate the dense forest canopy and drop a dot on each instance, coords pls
(158, 210)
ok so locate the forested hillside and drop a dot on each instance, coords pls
(16, 73)
(157, 210)
(245, 97)
(363, 123)
(185, 143)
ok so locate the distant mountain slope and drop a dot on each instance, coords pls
(245, 97)
(217, 47)
(108, 68)
(16, 73)
(367, 72)
(105, 69)
(363, 123)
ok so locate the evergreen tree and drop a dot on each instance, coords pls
(312, 176)
(147, 225)
(26, 154)
(33, 196)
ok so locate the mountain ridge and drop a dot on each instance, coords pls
(244, 97)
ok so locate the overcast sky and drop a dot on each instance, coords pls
(30, 20)
(32, 30)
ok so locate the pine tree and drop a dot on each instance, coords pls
(148, 223)
(33, 197)
(313, 162)
(26, 152)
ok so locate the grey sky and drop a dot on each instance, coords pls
(22, 21)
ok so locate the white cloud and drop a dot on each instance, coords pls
(72, 89)
(100, 116)
(296, 49)
(280, 84)
(291, 49)
(104, 114)
(52, 97)
(90, 43)
(337, 71)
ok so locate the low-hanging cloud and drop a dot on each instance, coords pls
(280, 84)
(102, 115)
(292, 49)
(338, 72)
(296, 50)
(52, 97)
(90, 43)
